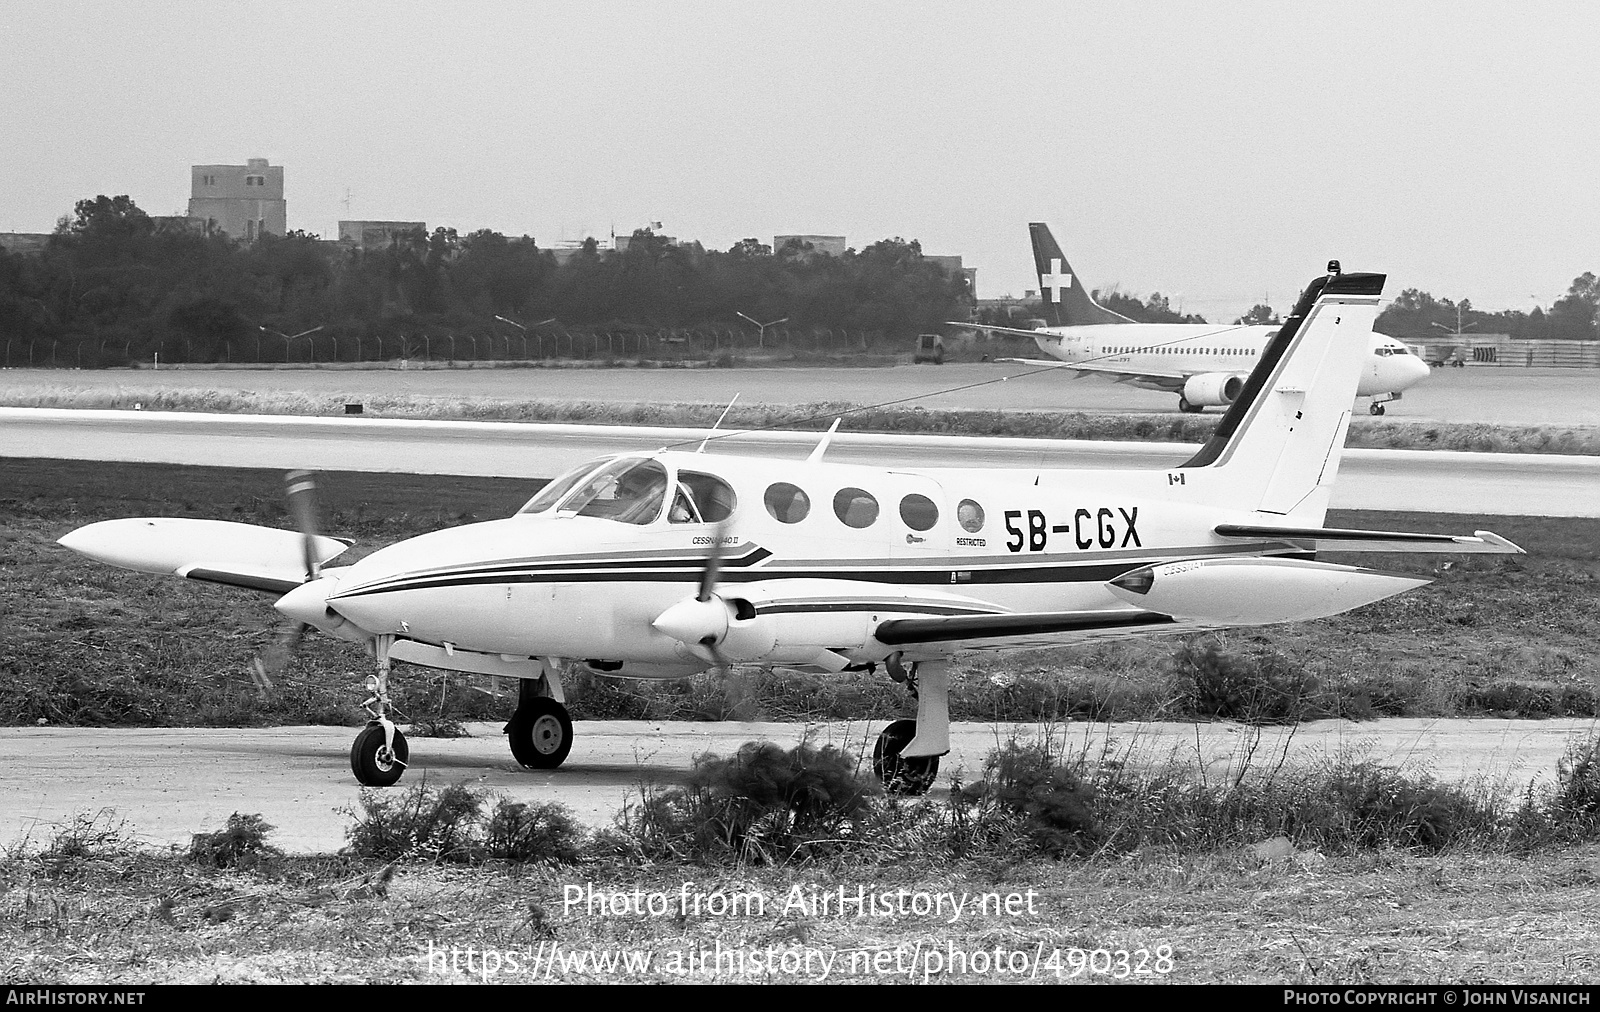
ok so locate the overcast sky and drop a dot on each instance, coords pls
(1217, 153)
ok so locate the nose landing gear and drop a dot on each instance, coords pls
(379, 753)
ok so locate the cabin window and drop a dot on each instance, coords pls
(787, 503)
(919, 512)
(710, 498)
(970, 516)
(629, 491)
(855, 507)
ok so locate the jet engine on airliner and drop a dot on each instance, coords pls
(1209, 389)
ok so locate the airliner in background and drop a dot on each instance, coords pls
(1205, 364)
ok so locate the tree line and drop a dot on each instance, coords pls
(126, 286)
(1418, 316)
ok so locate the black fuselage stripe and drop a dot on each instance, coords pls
(942, 578)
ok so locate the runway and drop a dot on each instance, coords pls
(1485, 395)
(170, 783)
(1410, 480)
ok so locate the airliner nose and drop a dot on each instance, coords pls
(1416, 369)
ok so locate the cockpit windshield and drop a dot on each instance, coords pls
(560, 486)
(628, 490)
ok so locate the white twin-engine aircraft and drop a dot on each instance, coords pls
(658, 565)
(1205, 364)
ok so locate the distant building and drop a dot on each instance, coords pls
(241, 201)
(833, 245)
(24, 243)
(377, 234)
(952, 266)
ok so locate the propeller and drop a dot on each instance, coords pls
(702, 623)
(300, 491)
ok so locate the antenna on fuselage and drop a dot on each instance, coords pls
(720, 417)
(822, 447)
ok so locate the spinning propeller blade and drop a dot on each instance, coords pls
(300, 491)
(708, 575)
(300, 488)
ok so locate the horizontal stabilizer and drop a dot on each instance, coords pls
(1325, 539)
(217, 551)
(993, 330)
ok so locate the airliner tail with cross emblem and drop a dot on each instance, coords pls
(1066, 302)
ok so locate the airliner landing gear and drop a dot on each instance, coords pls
(379, 753)
(1187, 408)
(927, 737)
(1376, 407)
(540, 731)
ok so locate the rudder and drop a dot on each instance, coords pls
(1281, 441)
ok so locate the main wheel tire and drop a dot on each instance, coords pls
(1375, 409)
(1187, 408)
(540, 733)
(374, 764)
(902, 775)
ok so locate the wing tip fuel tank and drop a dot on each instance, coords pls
(1256, 591)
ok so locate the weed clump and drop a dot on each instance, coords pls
(1576, 805)
(530, 832)
(240, 844)
(419, 823)
(1030, 796)
(1252, 689)
(765, 804)
(448, 824)
(1363, 806)
(84, 837)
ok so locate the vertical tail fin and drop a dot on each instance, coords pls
(1067, 302)
(1280, 442)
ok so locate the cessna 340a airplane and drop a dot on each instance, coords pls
(659, 565)
(1204, 364)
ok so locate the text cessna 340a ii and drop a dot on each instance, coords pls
(659, 565)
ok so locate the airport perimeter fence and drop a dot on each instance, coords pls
(534, 345)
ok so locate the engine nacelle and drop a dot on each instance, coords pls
(1212, 389)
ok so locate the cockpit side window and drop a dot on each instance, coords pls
(629, 491)
(559, 486)
(710, 496)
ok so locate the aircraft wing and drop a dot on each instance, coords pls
(1324, 539)
(216, 551)
(1168, 382)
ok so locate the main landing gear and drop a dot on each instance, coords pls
(379, 753)
(540, 731)
(914, 773)
(1187, 408)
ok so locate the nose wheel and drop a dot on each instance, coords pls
(1376, 408)
(378, 755)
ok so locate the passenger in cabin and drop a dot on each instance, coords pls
(683, 507)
